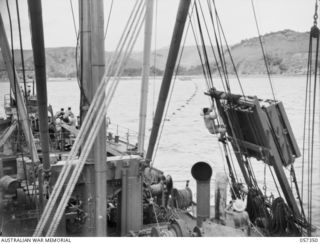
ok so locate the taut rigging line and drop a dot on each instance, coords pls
(262, 49)
(310, 113)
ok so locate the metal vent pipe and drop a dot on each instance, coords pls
(202, 173)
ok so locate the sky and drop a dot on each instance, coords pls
(236, 17)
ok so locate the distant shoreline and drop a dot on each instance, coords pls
(63, 79)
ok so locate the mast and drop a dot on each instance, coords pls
(35, 12)
(145, 75)
(98, 67)
(167, 77)
(14, 82)
(92, 70)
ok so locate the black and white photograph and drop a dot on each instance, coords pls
(159, 118)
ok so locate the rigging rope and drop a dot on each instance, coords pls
(218, 45)
(294, 179)
(263, 51)
(232, 162)
(108, 21)
(79, 78)
(203, 46)
(88, 131)
(12, 51)
(309, 115)
(155, 58)
(274, 180)
(21, 53)
(305, 121)
(210, 41)
(223, 53)
(19, 138)
(199, 50)
(313, 125)
(74, 20)
(170, 95)
(25, 94)
(206, 68)
(228, 49)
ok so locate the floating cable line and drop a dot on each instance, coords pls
(187, 102)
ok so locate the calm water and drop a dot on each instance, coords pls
(185, 139)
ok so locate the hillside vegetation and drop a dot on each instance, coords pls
(286, 53)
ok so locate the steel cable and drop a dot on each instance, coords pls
(263, 51)
(170, 95)
(98, 99)
(102, 112)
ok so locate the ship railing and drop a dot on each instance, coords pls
(7, 104)
(7, 100)
(58, 141)
(63, 140)
(117, 133)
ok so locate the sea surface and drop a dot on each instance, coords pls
(184, 139)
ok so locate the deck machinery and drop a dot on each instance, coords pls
(259, 129)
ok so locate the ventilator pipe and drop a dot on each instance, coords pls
(202, 173)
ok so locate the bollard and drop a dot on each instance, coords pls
(116, 139)
(110, 136)
(202, 173)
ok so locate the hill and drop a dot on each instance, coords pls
(286, 53)
(61, 62)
